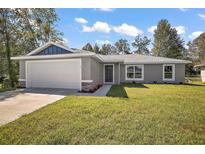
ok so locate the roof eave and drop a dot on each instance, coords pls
(168, 62)
(51, 56)
(39, 49)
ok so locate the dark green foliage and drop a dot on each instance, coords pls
(96, 48)
(21, 31)
(108, 49)
(197, 49)
(140, 44)
(167, 43)
(88, 47)
(122, 46)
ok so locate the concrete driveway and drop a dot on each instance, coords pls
(14, 104)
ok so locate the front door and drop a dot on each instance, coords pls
(109, 73)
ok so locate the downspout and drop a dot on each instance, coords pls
(119, 74)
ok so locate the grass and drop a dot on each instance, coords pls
(135, 114)
(196, 78)
(2, 89)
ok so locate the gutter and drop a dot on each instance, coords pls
(51, 56)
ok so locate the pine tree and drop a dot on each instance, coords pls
(122, 46)
(140, 44)
(197, 48)
(167, 43)
(88, 47)
(108, 49)
(96, 48)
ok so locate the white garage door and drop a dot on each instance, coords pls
(64, 73)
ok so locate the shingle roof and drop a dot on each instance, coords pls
(126, 59)
(140, 59)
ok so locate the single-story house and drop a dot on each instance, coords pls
(56, 66)
(202, 68)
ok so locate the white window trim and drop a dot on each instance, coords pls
(173, 72)
(113, 74)
(87, 81)
(134, 79)
(21, 80)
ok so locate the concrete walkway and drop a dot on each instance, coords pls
(102, 91)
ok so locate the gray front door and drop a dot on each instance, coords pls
(109, 73)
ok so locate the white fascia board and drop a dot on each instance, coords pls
(168, 62)
(39, 49)
(52, 56)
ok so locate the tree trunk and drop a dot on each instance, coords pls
(8, 53)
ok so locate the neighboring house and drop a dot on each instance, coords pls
(56, 66)
(202, 68)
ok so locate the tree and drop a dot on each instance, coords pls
(37, 27)
(167, 43)
(96, 48)
(107, 49)
(20, 33)
(122, 46)
(88, 47)
(6, 30)
(140, 44)
(195, 53)
(197, 48)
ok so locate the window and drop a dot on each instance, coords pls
(169, 72)
(134, 72)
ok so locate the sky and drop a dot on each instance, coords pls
(109, 25)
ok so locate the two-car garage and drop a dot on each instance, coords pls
(58, 73)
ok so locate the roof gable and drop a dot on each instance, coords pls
(50, 48)
(53, 50)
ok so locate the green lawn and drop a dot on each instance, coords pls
(137, 114)
(2, 89)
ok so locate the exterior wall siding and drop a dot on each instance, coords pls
(203, 74)
(96, 71)
(154, 73)
(22, 69)
(86, 68)
(116, 73)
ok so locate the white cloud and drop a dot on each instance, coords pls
(180, 29)
(88, 29)
(151, 29)
(81, 20)
(65, 40)
(195, 34)
(201, 16)
(97, 26)
(126, 29)
(102, 42)
(105, 9)
(183, 9)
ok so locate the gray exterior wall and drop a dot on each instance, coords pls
(22, 69)
(96, 71)
(88, 64)
(92, 70)
(117, 78)
(203, 73)
(86, 71)
(154, 72)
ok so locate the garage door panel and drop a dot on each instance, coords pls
(54, 73)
